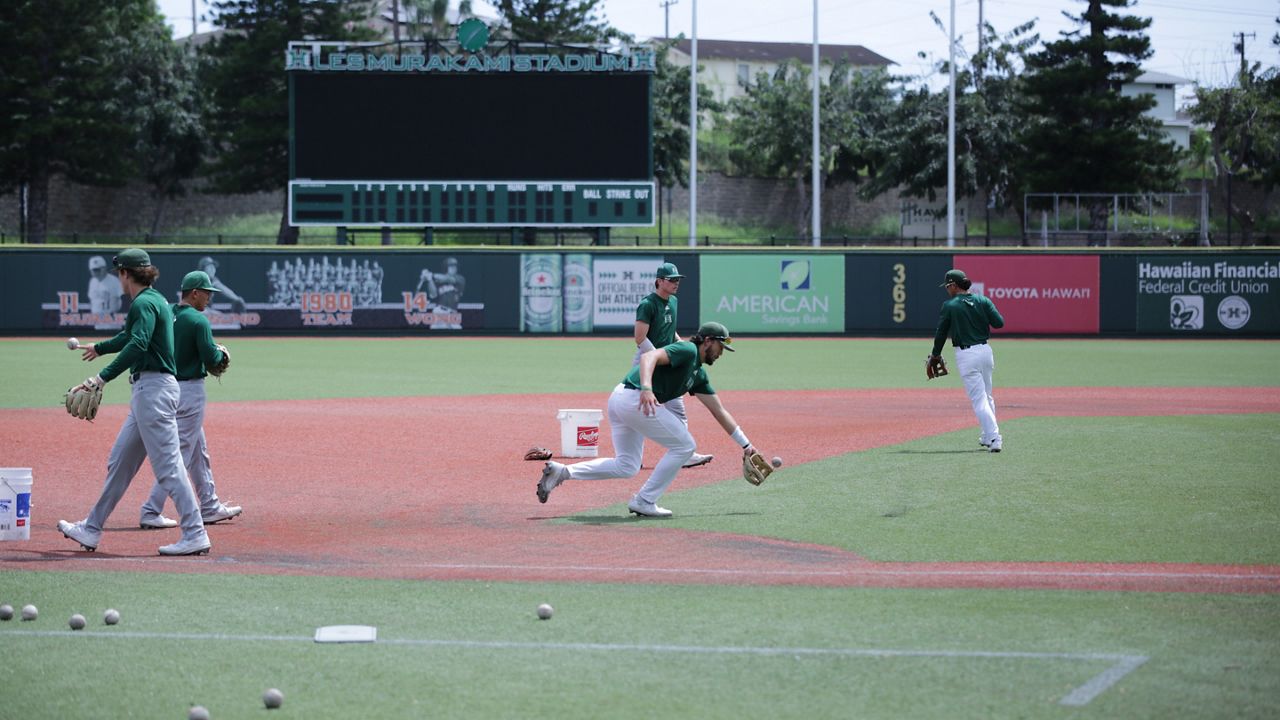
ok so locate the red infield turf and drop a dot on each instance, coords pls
(435, 488)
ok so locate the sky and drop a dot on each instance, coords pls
(1193, 39)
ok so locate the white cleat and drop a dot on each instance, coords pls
(198, 545)
(553, 474)
(996, 445)
(224, 512)
(647, 509)
(76, 531)
(156, 522)
(696, 459)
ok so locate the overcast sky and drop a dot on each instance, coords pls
(1194, 39)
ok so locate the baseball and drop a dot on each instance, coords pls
(545, 611)
(777, 461)
(197, 712)
(6, 612)
(272, 698)
(111, 616)
(76, 622)
(73, 344)
(29, 612)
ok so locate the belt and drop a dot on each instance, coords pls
(966, 347)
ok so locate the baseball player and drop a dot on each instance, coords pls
(105, 294)
(656, 327)
(967, 319)
(150, 431)
(193, 351)
(638, 409)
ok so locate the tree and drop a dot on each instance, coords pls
(1081, 135)
(1244, 136)
(555, 21)
(910, 150)
(430, 18)
(671, 120)
(96, 107)
(242, 74)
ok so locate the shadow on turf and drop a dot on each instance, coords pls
(940, 452)
(626, 519)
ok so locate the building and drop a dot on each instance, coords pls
(1177, 126)
(728, 66)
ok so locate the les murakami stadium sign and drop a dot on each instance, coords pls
(468, 54)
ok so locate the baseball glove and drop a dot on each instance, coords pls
(935, 366)
(83, 400)
(223, 364)
(755, 469)
(537, 453)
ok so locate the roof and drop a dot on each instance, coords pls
(1158, 78)
(779, 51)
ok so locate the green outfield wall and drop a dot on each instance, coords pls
(395, 291)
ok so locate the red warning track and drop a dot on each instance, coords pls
(434, 488)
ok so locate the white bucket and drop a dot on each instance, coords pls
(579, 432)
(15, 503)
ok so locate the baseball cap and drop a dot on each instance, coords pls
(668, 271)
(132, 258)
(953, 276)
(197, 280)
(716, 331)
(97, 262)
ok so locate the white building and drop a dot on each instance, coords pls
(1165, 90)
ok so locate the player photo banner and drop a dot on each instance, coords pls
(1208, 294)
(285, 291)
(1049, 294)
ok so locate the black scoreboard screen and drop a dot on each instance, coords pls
(566, 148)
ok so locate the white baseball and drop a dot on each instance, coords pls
(777, 461)
(76, 622)
(73, 344)
(29, 612)
(111, 616)
(545, 611)
(197, 712)
(272, 698)
(6, 611)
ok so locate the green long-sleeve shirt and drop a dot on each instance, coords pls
(146, 341)
(193, 345)
(967, 319)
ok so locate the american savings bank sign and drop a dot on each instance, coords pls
(1040, 294)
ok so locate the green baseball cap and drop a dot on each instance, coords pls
(953, 276)
(668, 271)
(132, 258)
(716, 331)
(197, 280)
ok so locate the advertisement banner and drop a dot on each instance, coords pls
(285, 291)
(773, 293)
(894, 292)
(541, 292)
(620, 284)
(1046, 294)
(1208, 294)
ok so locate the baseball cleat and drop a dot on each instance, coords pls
(198, 545)
(647, 509)
(695, 460)
(156, 522)
(984, 442)
(224, 512)
(997, 444)
(77, 532)
(553, 474)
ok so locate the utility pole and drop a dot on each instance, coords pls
(193, 18)
(977, 77)
(395, 23)
(1244, 64)
(666, 17)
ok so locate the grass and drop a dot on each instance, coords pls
(283, 368)
(1181, 489)
(468, 649)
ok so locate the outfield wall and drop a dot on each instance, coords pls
(397, 291)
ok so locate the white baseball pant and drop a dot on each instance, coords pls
(975, 364)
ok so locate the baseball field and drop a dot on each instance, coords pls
(1120, 558)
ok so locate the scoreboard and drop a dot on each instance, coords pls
(473, 204)
(468, 140)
